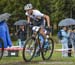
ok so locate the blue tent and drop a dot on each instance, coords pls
(4, 34)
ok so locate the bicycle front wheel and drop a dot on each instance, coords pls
(48, 48)
(29, 49)
(1, 48)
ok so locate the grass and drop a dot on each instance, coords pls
(56, 59)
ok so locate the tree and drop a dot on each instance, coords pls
(56, 9)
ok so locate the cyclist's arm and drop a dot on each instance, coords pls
(47, 19)
(28, 19)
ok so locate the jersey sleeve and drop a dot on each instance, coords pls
(39, 13)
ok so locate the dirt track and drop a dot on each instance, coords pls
(21, 63)
(40, 63)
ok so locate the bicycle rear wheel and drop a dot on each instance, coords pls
(1, 48)
(29, 49)
(47, 49)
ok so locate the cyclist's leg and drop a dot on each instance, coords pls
(43, 31)
(38, 47)
(46, 44)
(40, 23)
(41, 37)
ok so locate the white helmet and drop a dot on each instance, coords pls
(28, 6)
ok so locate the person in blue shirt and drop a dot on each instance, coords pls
(64, 41)
(4, 34)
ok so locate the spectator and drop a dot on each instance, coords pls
(4, 34)
(64, 41)
(21, 35)
(73, 43)
(70, 41)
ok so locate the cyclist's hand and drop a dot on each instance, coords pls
(49, 27)
(30, 22)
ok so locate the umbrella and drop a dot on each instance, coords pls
(20, 22)
(4, 16)
(1, 20)
(67, 22)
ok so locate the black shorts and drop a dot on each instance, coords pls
(39, 22)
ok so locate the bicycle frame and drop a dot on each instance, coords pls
(38, 46)
(37, 36)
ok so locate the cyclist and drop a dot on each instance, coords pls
(39, 18)
(36, 15)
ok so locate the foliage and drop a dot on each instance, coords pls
(56, 9)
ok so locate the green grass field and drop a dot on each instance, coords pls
(56, 59)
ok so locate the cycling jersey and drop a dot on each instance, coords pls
(37, 16)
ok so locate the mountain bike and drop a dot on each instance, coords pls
(1, 48)
(33, 46)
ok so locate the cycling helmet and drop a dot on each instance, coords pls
(28, 6)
